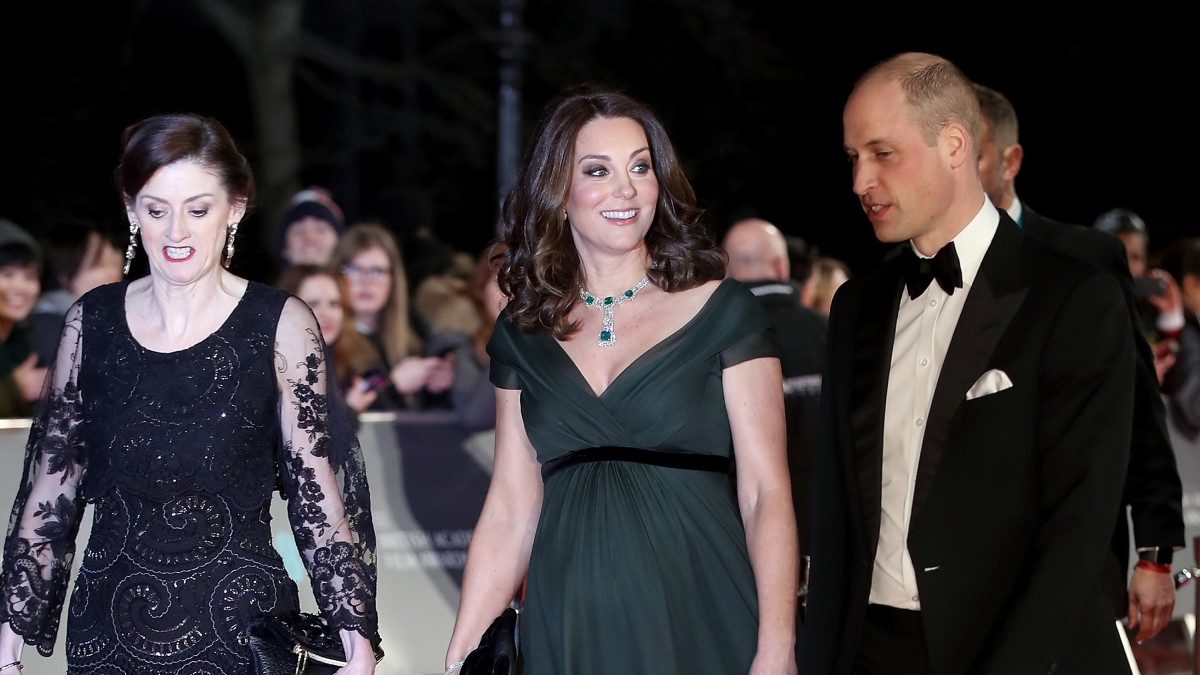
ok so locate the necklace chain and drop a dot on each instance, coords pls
(608, 304)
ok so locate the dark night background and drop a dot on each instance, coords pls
(751, 91)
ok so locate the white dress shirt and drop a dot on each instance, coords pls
(924, 327)
(1015, 210)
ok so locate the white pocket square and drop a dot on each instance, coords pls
(989, 383)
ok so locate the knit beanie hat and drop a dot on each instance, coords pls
(305, 204)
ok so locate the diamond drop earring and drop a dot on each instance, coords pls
(131, 250)
(229, 246)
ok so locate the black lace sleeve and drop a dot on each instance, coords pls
(323, 477)
(40, 545)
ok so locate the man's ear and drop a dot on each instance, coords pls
(782, 268)
(955, 142)
(1011, 158)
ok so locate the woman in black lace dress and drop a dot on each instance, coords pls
(177, 404)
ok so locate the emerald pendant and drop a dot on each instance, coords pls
(608, 304)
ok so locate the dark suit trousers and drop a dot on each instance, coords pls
(892, 643)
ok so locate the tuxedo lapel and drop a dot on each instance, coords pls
(873, 338)
(994, 298)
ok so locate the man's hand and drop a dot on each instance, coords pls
(1151, 602)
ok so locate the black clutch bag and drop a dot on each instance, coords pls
(497, 650)
(295, 644)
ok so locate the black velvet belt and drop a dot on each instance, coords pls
(610, 453)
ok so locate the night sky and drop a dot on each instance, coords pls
(751, 91)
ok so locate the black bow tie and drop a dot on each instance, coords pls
(943, 267)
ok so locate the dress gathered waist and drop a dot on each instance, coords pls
(610, 453)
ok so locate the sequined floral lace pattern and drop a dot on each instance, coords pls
(179, 454)
(342, 570)
(40, 547)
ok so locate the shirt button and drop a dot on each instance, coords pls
(916, 598)
(920, 421)
(924, 362)
(933, 303)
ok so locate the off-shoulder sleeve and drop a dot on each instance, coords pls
(323, 477)
(749, 333)
(40, 545)
(502, 352)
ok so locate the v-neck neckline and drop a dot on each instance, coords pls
(651, 352)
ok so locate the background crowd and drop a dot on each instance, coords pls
(406, 321)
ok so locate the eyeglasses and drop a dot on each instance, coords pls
(374, 272)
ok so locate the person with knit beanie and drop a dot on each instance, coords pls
(310, 228)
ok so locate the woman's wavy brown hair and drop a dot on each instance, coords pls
(541, 271)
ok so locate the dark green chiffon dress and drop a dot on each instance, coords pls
(638, 567)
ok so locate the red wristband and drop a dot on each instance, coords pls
(1161, 568)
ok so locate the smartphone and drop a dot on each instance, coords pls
(374, 381)
(1145, 287)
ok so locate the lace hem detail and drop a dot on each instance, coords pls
(33, 604)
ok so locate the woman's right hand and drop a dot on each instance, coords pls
(360, 397)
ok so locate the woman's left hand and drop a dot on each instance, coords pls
(780, 664)
(411, 374)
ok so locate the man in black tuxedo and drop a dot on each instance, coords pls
(978, 405)
(1153, 490)
(759, 258)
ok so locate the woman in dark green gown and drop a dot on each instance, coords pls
(631, 380)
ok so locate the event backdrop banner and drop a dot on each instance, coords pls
(428, 479)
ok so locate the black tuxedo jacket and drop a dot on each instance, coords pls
(1016, 492)
(1153, 491)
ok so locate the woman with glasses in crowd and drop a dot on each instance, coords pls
(377, 292)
